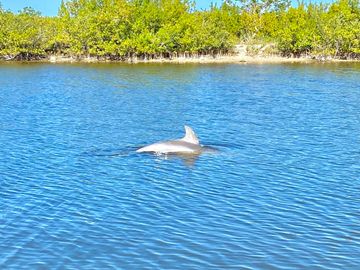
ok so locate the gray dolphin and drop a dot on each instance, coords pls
(187, 145)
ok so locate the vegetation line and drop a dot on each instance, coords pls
(148, 29)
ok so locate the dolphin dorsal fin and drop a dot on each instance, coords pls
(190, 136)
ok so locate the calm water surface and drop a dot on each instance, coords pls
(282, 192)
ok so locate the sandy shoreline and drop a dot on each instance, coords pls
(207, 59)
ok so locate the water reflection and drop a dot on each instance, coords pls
(188, 159)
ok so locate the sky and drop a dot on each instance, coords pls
(50, 7)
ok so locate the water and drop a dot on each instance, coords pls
(281, 192)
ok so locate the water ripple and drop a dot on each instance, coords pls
(280, 192)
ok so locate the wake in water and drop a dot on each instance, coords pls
(123, 152)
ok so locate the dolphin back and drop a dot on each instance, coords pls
(188, 144)
(177, 146)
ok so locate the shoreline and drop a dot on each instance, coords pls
(204, 59)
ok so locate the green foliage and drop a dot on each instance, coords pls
(23, 34)
(341, 28)
(296, 31)
(152, 28)
(326, 30)
(263, 6)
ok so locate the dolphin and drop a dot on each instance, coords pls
(189, 144)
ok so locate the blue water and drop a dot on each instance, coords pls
(281, 192)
